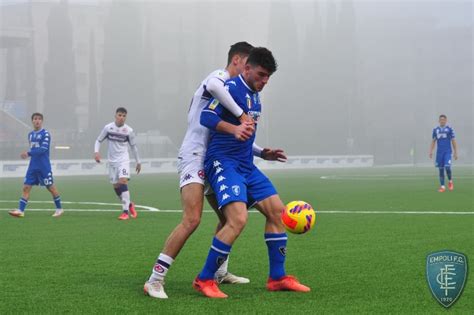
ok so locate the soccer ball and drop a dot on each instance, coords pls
(298, 217)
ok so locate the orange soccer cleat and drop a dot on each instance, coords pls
(442, 189)
(451, 185)
(209, 288)
(131, 209)
(123, 216)
(286, 283)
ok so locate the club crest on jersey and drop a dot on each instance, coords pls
(236, 190)
(201, 174)
(249, 101)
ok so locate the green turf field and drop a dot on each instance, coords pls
(89, 262)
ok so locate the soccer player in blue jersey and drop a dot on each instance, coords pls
(443, 136)
(39, 170)
(239, 184)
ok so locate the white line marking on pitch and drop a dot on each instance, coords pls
(152, 209)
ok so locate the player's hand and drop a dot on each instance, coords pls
(274, 155)
(431, 155)
(24, 155)
(138, 168)
(244, 131)
(97, 157)
(455, 156)
(246, 118)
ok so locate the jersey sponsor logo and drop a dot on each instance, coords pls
(236, 190)
(254, 115)
(117, 137)
(220, 178)
(225, 196)
(223, 187)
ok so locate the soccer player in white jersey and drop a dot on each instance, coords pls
(191, 167)
(119, 136)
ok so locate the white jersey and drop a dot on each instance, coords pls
(197, 136)
(118, 140)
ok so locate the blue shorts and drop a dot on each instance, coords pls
(232, 184)
(443, 159)
(39, 177)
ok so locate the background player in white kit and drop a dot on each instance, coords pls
(119, 136)
(191, 166)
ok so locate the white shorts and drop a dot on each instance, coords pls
(119, 170)
(191, 170)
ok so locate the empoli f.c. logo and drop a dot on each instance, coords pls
(446, 273)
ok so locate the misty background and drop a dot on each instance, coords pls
(354, 77)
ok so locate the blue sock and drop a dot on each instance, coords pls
(22, 204)
(441, 176)
(448, 171)
(216, 257)
(57, 202)
(276, 243)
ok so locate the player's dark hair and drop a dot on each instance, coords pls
(443, 116)
(260, 56)
(37, 114)
(121, 110)
(241, 48)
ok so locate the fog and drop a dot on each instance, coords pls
(354, 77)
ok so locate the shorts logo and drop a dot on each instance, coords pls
(201, 174)
(220, 178)
(236, 190)
(158, 268)
(446, 273)
(223, 187)
(225, 196)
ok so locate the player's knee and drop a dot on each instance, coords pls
(190, 223)
(238, 222)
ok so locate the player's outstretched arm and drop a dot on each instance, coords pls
(100, 138)
(432, 146)
(133, 145)
(455, 148)
(96, 151)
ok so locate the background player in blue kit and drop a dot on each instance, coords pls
(443, 136)
(239, 184)
(39, 170)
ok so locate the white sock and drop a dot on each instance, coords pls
(223, 268)
(163, 263)
(125, 196)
